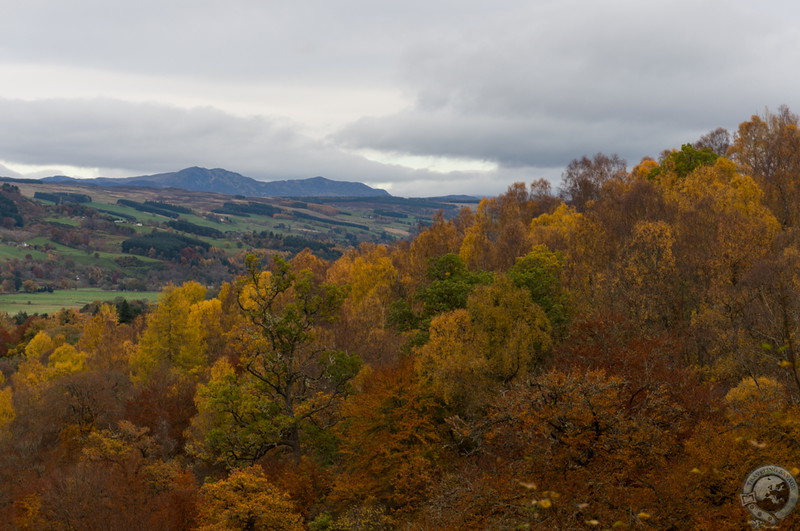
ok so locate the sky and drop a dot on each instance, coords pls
(419, 97)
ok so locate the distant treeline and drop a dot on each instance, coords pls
(166, 245)
(62, 197)
(390, 214)
(167, 206)
(8, 209)
(292, 244)
(295, 244)
(144, 207)
(244, 210)
(126, 217)
(185, 226)
(303, 215)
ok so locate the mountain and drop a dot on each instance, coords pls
(227, 182)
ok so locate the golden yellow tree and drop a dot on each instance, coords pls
(172, 339)
(247, 500)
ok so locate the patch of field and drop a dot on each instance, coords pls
(13, 303)
(70, 222)
(8, 252)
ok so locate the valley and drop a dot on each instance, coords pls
(133, 240)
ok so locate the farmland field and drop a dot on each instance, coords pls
(44, 302)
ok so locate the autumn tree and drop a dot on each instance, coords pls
(567, 450)
(443, 236)
(757, 425)
(173, 339)
(447, 287)
(768, 148)
(771, 316)
(539, 272)
(119, 482)
(247, 500)
(500, 336)
(718, 141)
(648, 282)
(373, 281)
(681, 162)
(583, 178)
(106, 342)
(285, 380)
(390, 440)
(499, 232)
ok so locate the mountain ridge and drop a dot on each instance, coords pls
(219, 180)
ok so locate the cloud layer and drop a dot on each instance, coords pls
(279, 90)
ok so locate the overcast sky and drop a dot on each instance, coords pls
(418, 97)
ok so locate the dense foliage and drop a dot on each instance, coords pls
(193, 228)
(618, 355)
(63, 197)
(152, 207)
(245, 209)
(162, 244)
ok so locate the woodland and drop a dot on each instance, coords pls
(618, 353)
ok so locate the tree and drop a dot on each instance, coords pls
(390, 440)
(373, 282)
(499, 232)
(684, 161)
(500, 336)
(771, 315)
(118, 483)
(539, 272)
(450, 283)
(585, 445)
(172, 339)
(718, 141)
(768, 148)
(247, 500)
(285, 380)
(647, 283)
(104, 340)
(583, 178)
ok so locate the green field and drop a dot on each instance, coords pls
(13, 303)
(8, 252)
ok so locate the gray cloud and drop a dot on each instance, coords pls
(525, 85)
(544, 84)
(147, 138)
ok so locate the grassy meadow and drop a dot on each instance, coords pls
(44, 302)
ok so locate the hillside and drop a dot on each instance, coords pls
(66, 234)
(227, 182)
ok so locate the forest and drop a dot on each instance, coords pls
(618, 353)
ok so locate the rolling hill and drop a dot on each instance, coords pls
(222, 181)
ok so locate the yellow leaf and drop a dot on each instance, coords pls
(545, 503)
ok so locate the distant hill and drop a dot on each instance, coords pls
(227, 182)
